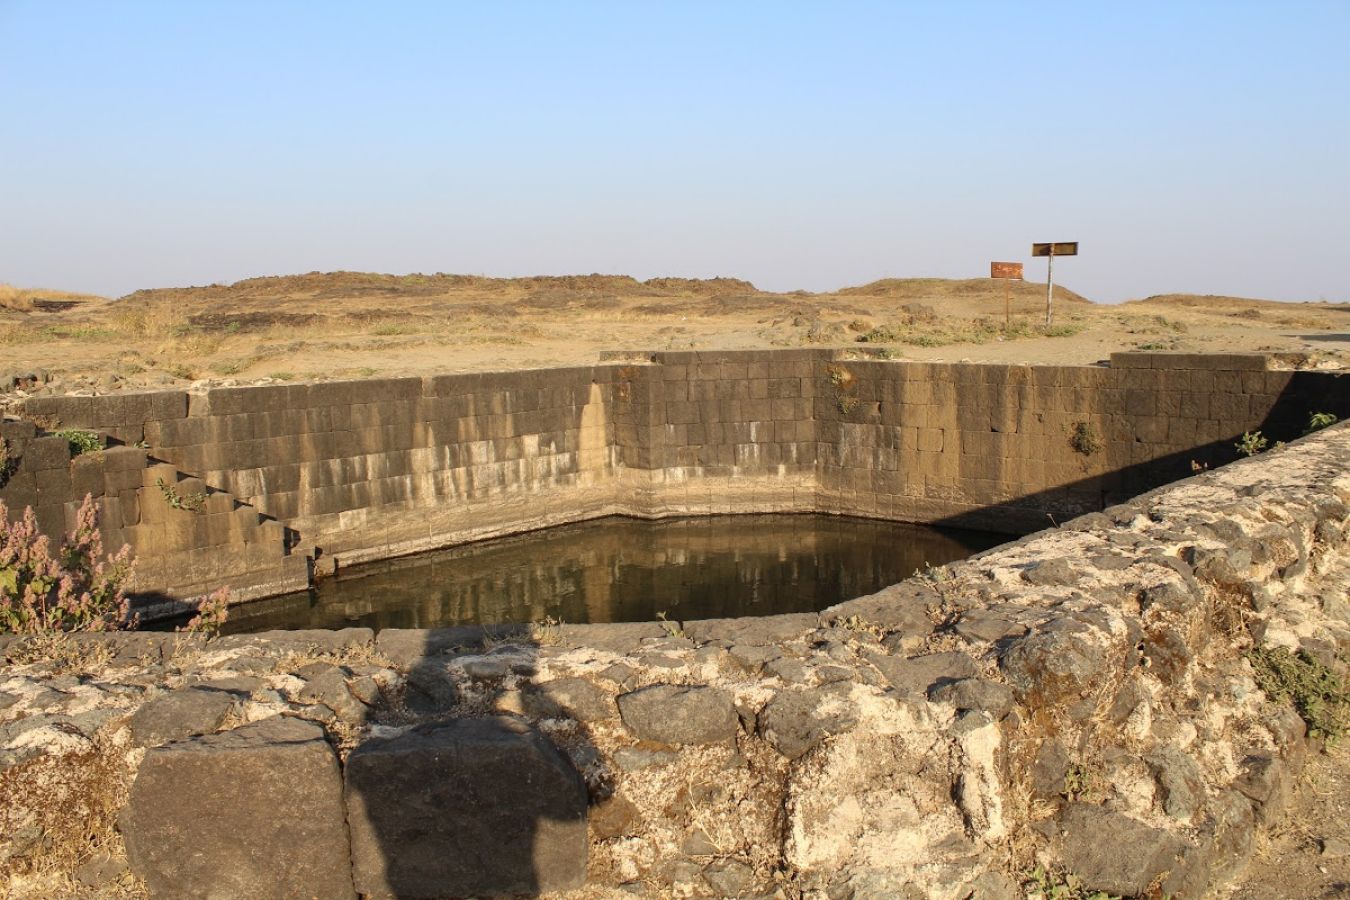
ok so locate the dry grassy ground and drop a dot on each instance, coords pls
(344, 325)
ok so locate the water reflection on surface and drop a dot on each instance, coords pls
(625, 570)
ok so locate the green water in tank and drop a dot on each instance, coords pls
(619, 569)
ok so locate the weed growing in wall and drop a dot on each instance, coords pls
(9, 461)
(1321, 696)
(672, 629)
(1083, 438)
(844, 388)
(189, 502)
(46, 593)
(1253, 442)
(839, 376)
(70, 588)
(547, 632)
(82, 441)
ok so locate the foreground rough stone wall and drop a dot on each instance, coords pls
(1081, 699)
(373, 469)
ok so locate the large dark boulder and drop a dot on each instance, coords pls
(251, 813)
(469, 807)
(680, 714)
(1114, 853)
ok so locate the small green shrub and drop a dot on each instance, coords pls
(1318, 421)
(1318, 693)
(179, 370)
(228, 367)
(672, 629)
(1081, 782)
(1042, 884)
(1252, 443)
(393, 328)
(82, 441)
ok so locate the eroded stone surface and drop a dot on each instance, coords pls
(179, 715)
(679, 714)
(251, 813)
(1113, 852)
(465, 808)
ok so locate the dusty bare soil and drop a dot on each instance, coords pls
(344, 325)
(1306, 855)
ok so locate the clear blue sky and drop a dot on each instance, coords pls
(1189, 146)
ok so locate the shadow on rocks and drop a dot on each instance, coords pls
(470, 786)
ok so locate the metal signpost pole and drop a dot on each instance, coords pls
(1049, 284)
(1050, 251)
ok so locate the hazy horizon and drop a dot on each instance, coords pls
(1190, 149)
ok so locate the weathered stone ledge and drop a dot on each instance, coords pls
(1080, 698)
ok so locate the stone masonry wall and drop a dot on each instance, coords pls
(1085, 700)
(142, 502)
(1018, 448)
(378, 468)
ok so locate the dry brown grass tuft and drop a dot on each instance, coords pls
(66, 653)
(15, 298)
(149, 320)
(71, 804)
(13, 333)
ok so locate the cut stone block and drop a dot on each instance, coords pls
(680, 714)
(251, 813)
(470, 807)
(179, 715)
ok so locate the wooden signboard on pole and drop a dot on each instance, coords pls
(1010, 271)
(1050, 251)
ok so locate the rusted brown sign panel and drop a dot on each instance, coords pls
(1063, 248)
(1005, 270)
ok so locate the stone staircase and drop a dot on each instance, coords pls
(189, 539)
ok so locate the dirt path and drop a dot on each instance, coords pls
(1306, 854)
